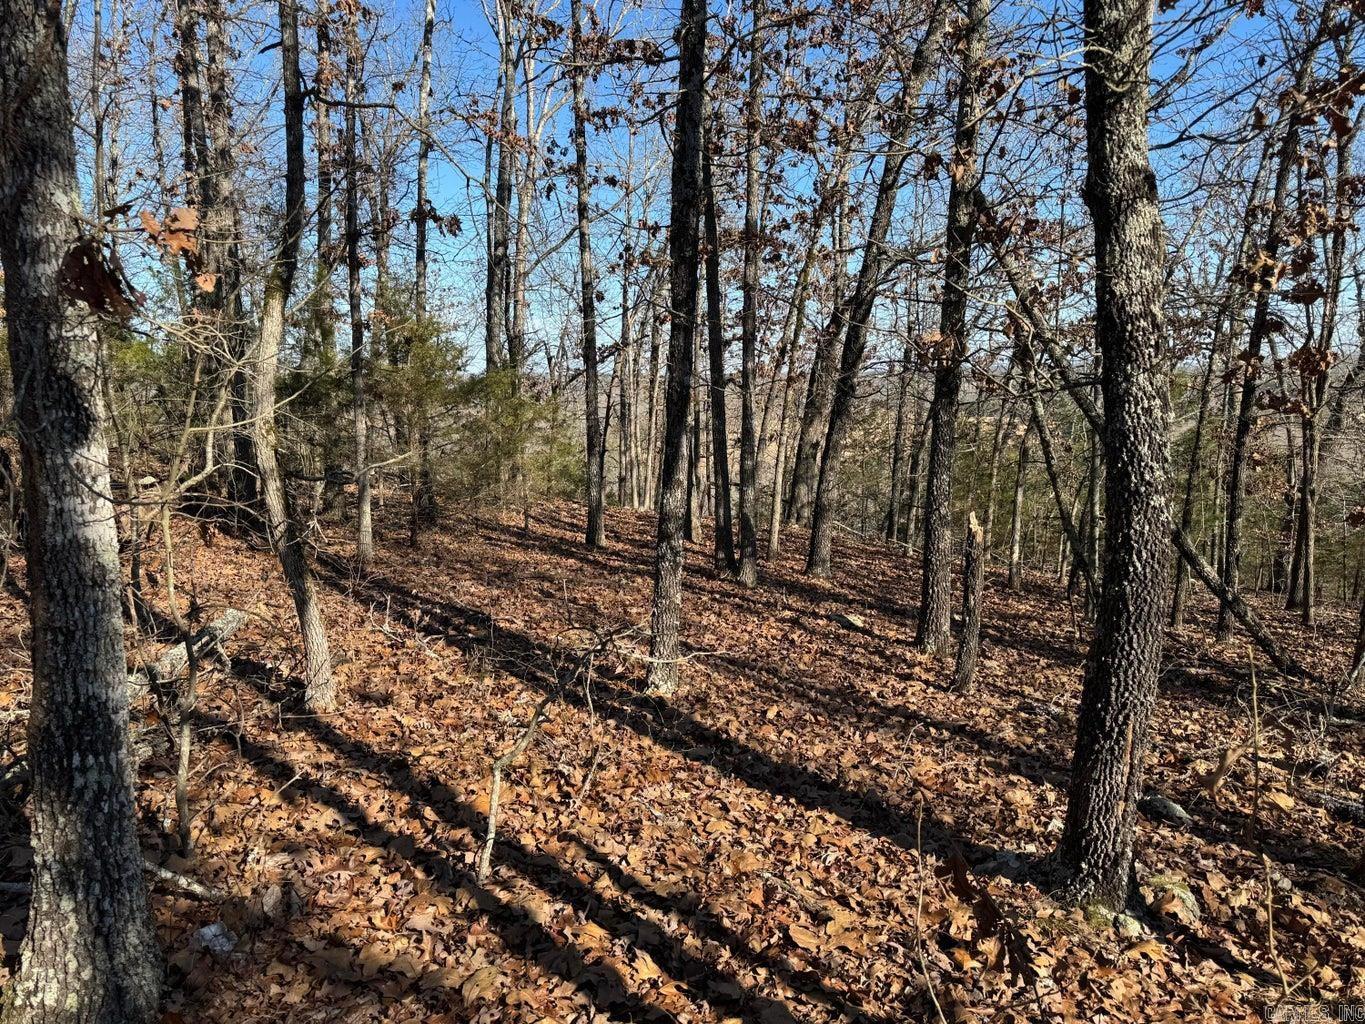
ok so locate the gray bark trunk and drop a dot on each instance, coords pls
(285, 539)
(90, 954)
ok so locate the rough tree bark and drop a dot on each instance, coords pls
(936, 587)
(90, 954)
(1119, 689)
(969, 642)
(682, 253)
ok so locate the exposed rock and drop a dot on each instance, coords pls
(216, 938)
(1128, 926)
(1161, 808)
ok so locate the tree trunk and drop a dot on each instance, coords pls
(360, 357)
(627, 485)
(969, 643)
(1261, 323)
(779, 467)
(499, 264)
(858, 309)
(1182, 571)
(1120, 677)
(90, 954)
(912, 496)
(319, 685)
(320, 344)
(936, 588)
(1004, 425)
(221, 222)
(748, 441)
(891, 525)
(1017, 518)
(1356, 672)
(652, 441)
(423, 494)
(595, 534)
(815, 419)
(682, 252)
(723, 524)
(824, 363)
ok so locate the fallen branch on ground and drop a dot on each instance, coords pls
(176, 657)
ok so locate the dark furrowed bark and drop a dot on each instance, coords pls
(1119, 688)
(682, 250)
(936, 591)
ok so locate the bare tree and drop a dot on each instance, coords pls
(682, 253)
(319, 686)
(587, 278)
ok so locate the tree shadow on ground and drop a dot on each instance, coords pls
(521, 934)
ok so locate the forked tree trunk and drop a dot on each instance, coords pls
(810, 436)
(936, 590)
(1120, 678)
(595, 533)
(682, 253)
(319, 685)
(90, 954)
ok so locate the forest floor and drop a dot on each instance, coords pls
(811, 829)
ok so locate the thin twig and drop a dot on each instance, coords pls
(495, 789)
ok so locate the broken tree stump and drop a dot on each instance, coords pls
(969, 643)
